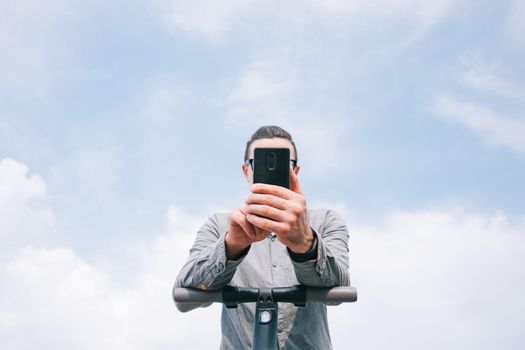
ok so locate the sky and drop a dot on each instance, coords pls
(123, 126)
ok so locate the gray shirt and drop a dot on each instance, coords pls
(268, 264)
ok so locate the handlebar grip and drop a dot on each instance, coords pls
(332, 296)
(187, 299)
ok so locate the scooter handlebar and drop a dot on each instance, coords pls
(187, 299)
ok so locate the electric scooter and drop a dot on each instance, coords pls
(266, 299)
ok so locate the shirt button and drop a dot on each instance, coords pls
(274, 264)
(203, 286)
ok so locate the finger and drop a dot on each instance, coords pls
(240, 219)
(294, 182)
(275, 190)
(266, 199)
(266, 224)
(267, 212)
(244, 212)
(247, 228)
(242, 209)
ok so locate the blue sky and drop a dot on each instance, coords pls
(120, 119)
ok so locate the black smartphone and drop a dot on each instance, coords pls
(272, 166)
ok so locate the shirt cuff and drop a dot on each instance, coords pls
(220, 266)
(311, 254)
(314, 272)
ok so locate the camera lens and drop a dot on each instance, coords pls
(270, 161)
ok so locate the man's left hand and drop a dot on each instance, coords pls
(282, 211)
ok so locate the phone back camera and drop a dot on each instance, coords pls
(270, 161)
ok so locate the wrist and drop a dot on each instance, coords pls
(233, 249)
(306, 245)
(310, 254)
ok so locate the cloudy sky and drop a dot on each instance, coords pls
(123, 126)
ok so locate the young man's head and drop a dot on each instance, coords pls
(268, 136)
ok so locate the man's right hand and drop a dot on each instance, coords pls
(241, 233)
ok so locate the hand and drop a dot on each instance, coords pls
(283, 211)
(241, 233)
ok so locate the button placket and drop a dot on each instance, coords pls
(270, 255)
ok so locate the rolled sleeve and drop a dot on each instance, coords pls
(207, 266)
(331, 266)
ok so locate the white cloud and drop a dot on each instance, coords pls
(416, 8)
(492, 83)
(206, 18)
(24, 216)
(121, 299)
(497, 129)
(68, 302)
(16, 185)
(435, 279)
(423, 13)
(213, 21)
(484, 77)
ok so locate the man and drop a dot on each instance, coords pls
(271, 240)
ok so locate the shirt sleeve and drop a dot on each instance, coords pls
(207, 266)
(331, 266)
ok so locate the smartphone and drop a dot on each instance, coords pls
(272, 166)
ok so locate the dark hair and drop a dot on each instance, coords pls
(269, 132)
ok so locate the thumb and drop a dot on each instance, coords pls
(294, 182)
